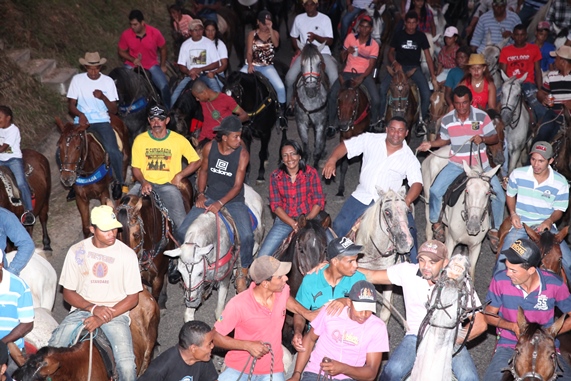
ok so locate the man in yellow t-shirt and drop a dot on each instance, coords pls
(157, 163)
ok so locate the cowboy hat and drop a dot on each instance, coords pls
(92, 59)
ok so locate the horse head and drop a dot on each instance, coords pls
(312, 68)
(393, 218)
(437, 108)
(40, 366)
(491, 54)
(72, 146)
(476, 197)
(535, 355)
(399, 90)
(311, 243)
(512, 99)
(128, 213)
(548, 244)
(348, 104)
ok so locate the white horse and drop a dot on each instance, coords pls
(467, 221)
(515, 117)
(206, 255)
(440, 24)
(384, 233)
(439, 329)
(491, 54)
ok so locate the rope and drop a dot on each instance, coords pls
(79, 329)
(447, 156)
(251, 371)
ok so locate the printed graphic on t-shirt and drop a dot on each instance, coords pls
(187, 378)
(158, 159)
(345, 337)
(221, 168)
(197, 56)
(9, 149)
(410, 45)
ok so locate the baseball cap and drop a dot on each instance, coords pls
(364, 296)
(313, 1)
(434, 250)
(263, 16)
(450, 31)
(264, 267)
(544, 149)
(229, 124)
(563, 52)
(342, 247)
(523, 251)
(104, 218)
(194, 23)
(543, 25)
(157, 112)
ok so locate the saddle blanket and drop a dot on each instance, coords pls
(253, 220)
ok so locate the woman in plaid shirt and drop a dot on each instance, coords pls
(295, 189)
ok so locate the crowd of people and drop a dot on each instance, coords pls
(343, 339)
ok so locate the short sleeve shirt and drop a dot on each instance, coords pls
(11, 137)
(365, 52)
(408, 47)
(520, 61)
(16, 304)
(319, 24)
(214, 111)
(146, 46)
(170, 366)
(82, 88)
(197, 53)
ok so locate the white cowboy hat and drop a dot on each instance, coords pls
(92, 59)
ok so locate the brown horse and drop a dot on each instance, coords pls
(148, 231)
(401, 99)
(437, 109)
(40, 181)
(72, 364)
(81, 155)
(535, 356)
(354, 118)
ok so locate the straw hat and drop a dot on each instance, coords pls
(92, 59)
(477, 59)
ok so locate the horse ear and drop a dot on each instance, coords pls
(110, 203)
(503, 43)
(59, 124)
(382, 10)
(139, 204)
(504, 76)
(488, 38)
(533, 235)
(380, 192)
(301, 221)
(559, 237)
(430, 7)
(48, 367)
(492, 172)
(556, 327)
(469, 171)
(445, 8)
(521, 320)
(523, 78)
(402, 192)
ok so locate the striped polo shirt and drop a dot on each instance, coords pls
(536, 202)
(16, 305)
(560, 86)
(488, 24)
(538, 306)
(459, 133)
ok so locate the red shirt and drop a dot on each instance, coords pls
(521, 60)
(214, 111)
(479, 100)
(147, 45)
(299, 197)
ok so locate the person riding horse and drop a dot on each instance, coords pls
(461, 139)
(12, 229)
(101, 282)
(360, 52)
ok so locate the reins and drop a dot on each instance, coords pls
(253, 365)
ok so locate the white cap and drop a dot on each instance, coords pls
(450, 31)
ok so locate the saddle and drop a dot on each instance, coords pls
(103, 169)
(9, 181)
(231, 227)
(101, 342)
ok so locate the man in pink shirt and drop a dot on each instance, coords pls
(138, 46)
(350, 345)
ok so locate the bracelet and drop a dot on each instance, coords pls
(92, 308)
(200, 194)
(297, 371)
(513, 214)
(221, 203)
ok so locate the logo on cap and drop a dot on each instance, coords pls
(539, 147)
(518, 247)
(365, 294)
(345, 242)
(432, 247)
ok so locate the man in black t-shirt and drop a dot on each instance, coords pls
(404, 54)
(187, 361)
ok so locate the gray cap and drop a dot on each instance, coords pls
(229, 124)
(544, 149)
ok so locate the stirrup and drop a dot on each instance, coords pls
(27, 218)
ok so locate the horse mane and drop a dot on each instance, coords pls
(130, 85)
(309, 51)
(546, 242)
(368, 223)
(122, 216)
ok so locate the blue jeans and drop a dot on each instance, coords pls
(108, 139)
(232, 375)
(212, 83)
(401, 362)
(241, 215)
(352, 209)
(421, 83)
(309, 376)
(530, 91)
(526, 13)
(371, 86)
(275, 237)
(515, 234)
(171, 198)
(295, 70)
(500, 361)
(443, 181)
(347, 19)
(118, 333)
(269, 71)
(16, 165)
(160, 80)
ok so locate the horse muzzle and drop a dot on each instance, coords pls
(68, 178)
(473, 226)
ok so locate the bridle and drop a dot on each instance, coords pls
(83, 153)
(483, 209)
(533, 375)
(494, 68)
(387, 218)
(399, 103)
(513, 110)
(350, 125)
(313, 77)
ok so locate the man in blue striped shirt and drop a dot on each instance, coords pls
(498, 22)
(542, 197)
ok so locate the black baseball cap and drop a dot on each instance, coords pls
(342, 247)
(364, 296)
(157, 112)
(229, 124)
(523, 250)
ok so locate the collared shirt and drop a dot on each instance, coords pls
(538, 305)
(16, 304)
(299, 197)
(366, 51)
(11, 227)
(536, 202)
(560, 86)
(559, 14)
(379, 169)
(146, 45)
(459, 133)
(488, 24)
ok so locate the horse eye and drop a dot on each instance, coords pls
(136, 235)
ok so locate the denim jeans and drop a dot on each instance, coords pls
(171, 198)
(11, 228)
(240, 214)
(443, 181)
(503, 355)
(16, 165)
(401, 362)
(275, 237)
(309, 376)
(108, 139)
(371, 86)
(232, 375)
(529, 91)
(160, 80)
(346, 21)
(118, 333)
(269, 71)
(526, 13)
(212, 83)
(420, 80)
(515, 234)
(295, 70)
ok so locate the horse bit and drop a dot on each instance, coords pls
(532, 375)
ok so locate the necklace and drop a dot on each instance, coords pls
(478, 84)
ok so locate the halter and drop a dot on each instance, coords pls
(386, 217)
(493, 69)
(238, 90)
(84, 151)
(352, 121)
(484, 213)
(516, 109)
(400, 87)
(532, 375)
(303, 81)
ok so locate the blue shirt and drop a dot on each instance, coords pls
(546, 59)
(454, 77)
(314, 291)
(10, 227)
(16, 305)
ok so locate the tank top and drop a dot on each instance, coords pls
(263, 51)
(222, 171)
(479, 100)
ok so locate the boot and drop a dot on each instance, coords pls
(281, 116)
(241, 280)
(173, 274)
(71, 195)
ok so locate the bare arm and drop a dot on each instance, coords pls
(242, 114)
(189, 170)
(492, 319)
(478, 328)
(146, 187)
(338, 153)
(18, 332)
(202, 176)
(514, 218)
(295, 307)
(538, 75)
(376, 276)
(255, 348)
(74, 111)
(124, 54)
(366, 372)
(492, 98)
(430, 63)
(439, 142)
(309, 341)
(250, 51)
(163, 51)
(413, 193)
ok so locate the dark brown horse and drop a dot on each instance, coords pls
(548, 244)
(148, 231)
(71, 364)
(354, 118)
(82, 156)
(40, 181)
(400, 99)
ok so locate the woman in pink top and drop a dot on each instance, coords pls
(480, 83)
(180, 24)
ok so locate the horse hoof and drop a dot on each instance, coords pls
(48, 252)
(260, 181)
(340, 194)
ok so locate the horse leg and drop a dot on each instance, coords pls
(189, 314)
(263, 155)
(474, 253)
(222, 293)
(302, 130)
(160, 291)
(343, 166)
(83, 206)
(44, 222)
(319, 144)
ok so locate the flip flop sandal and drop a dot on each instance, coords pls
(494, 241)
(438, 232)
